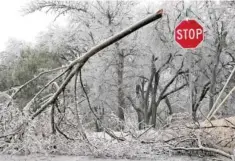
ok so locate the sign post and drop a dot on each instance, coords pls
(189, 34)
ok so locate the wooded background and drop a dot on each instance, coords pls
(138, 82)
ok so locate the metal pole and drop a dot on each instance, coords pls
(189, 65)
(190, 81)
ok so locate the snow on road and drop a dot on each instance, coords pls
(80, 158)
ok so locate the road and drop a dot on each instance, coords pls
(79, 158)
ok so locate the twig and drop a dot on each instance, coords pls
(67, 137)
(86, 95)
(181, 141)
(229, 122)
(145, 131)
(93, 112)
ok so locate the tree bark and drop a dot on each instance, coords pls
(120, 95)
(154, 93)
(149, 87)
(154, 111)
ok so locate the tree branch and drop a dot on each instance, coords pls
(31, 80)
(79, 62)
(56, 6)
(175, 90)
(179, 72)
(134, 105)
(217, 151)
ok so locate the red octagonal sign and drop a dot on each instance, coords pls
(189, 34)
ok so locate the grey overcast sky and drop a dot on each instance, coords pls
(15, 25)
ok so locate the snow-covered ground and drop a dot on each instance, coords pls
(79, 158)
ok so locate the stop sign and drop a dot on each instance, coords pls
(189, 34)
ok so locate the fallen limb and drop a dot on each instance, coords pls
(145, 131)
(202, 148)
(62, 133)
(77, 65)
(217, 151)
(84, 58)
(211, 126)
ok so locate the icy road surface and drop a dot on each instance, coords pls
(79, 158)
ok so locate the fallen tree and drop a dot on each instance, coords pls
(71, 71)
